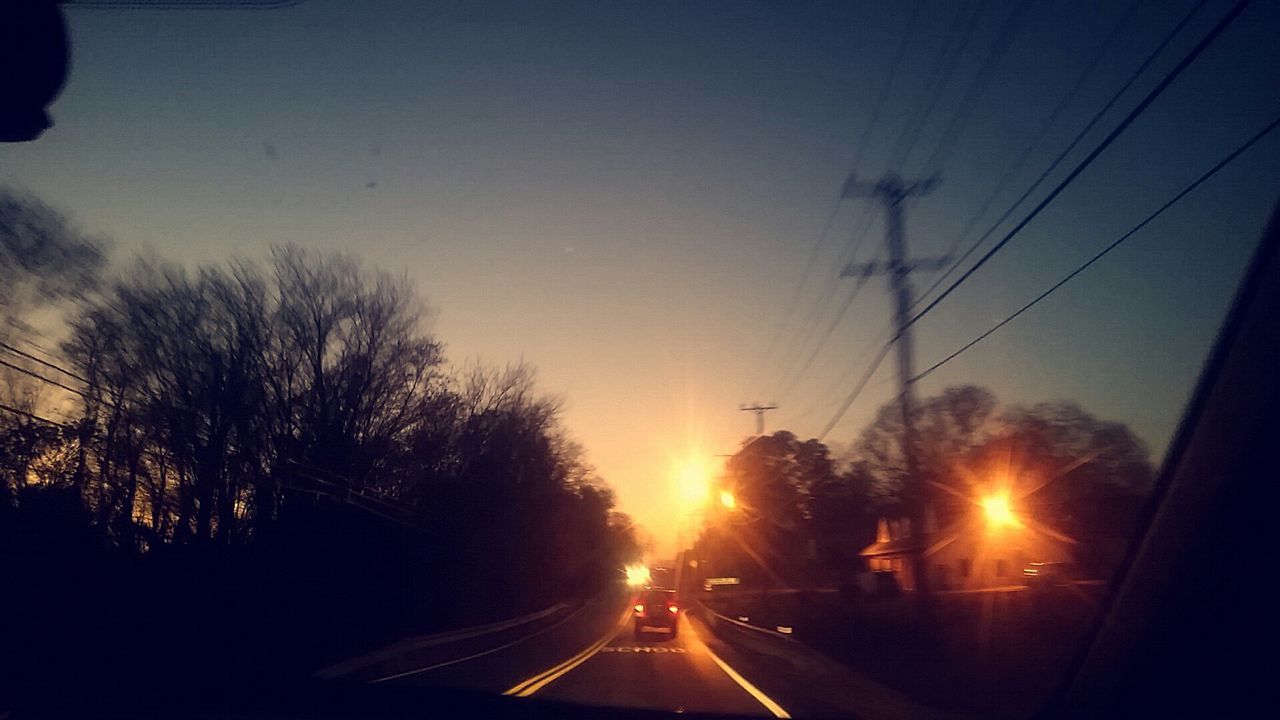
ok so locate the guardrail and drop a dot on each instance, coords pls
(761, 640)
(713, 618)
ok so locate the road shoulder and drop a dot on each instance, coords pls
(810, 684)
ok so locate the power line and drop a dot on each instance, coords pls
(947, 62)
(42, 378)
(1004, 38)
(50, 365)
(1115, 244)
(181, 4)
(857, 389)
(822, 343)
(814, 252)
(845, 376)
(1053, 165)
(1043, 131)
(1200, 47)
(30, 416)
(882, 97)
(813, 319)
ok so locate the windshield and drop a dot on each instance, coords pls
(417, 343)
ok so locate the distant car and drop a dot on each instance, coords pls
(1047, 574)
(656, 610)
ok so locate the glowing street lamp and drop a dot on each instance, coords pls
(728, 500)
(637, 575)
(998, 512)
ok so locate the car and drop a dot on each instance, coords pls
(1047, 574)
(656, 609)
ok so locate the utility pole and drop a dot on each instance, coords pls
(759, 410)
(891, 192)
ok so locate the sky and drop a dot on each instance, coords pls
(628, 195)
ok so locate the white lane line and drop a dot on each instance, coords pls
(755, 692)
(455, 661)
(745, 684)
(546, 677)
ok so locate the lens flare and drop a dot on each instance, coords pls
(637, 575)
(998, 512)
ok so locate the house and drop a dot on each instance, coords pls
(973, 551)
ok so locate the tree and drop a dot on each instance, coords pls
(349, 371)
(778, 482)
(222, 381)
(173, 363)
(1090, 476)
(1080, 475)
(284, 429)
(43, 258)
(948, 427)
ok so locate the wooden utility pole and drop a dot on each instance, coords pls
(759, 410)
(892, 192)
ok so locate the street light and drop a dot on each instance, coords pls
(728, 500)
(637, 575)
(998, 512)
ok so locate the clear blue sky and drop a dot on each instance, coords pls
(626, 194)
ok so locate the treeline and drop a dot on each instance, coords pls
(273, 444)
(802, 515)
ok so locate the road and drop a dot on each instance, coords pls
(587, 655)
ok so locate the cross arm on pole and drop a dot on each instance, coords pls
(863, 270)
(890, 187)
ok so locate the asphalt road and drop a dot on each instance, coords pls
(588, 655)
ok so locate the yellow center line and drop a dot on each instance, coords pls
(546, 677)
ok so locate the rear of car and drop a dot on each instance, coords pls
(656, 610)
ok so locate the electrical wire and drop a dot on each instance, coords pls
(1133, 115)
(822, 343)
(42, 378)
(30, 416)
(857, 389)
(882, 98)
(1004, 39)
(46, 363)
(1053, 165)
(814, 253)
(1038, 138)
(949, 62)
(1102, 253)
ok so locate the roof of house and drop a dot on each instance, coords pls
(901, 545)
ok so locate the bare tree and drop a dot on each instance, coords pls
(43, 258)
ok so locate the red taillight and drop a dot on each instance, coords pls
(673, 608)
(639, 608)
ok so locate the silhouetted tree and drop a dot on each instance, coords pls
(1083, 476)
(948, 427)
(283, 430)
(43, 258)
